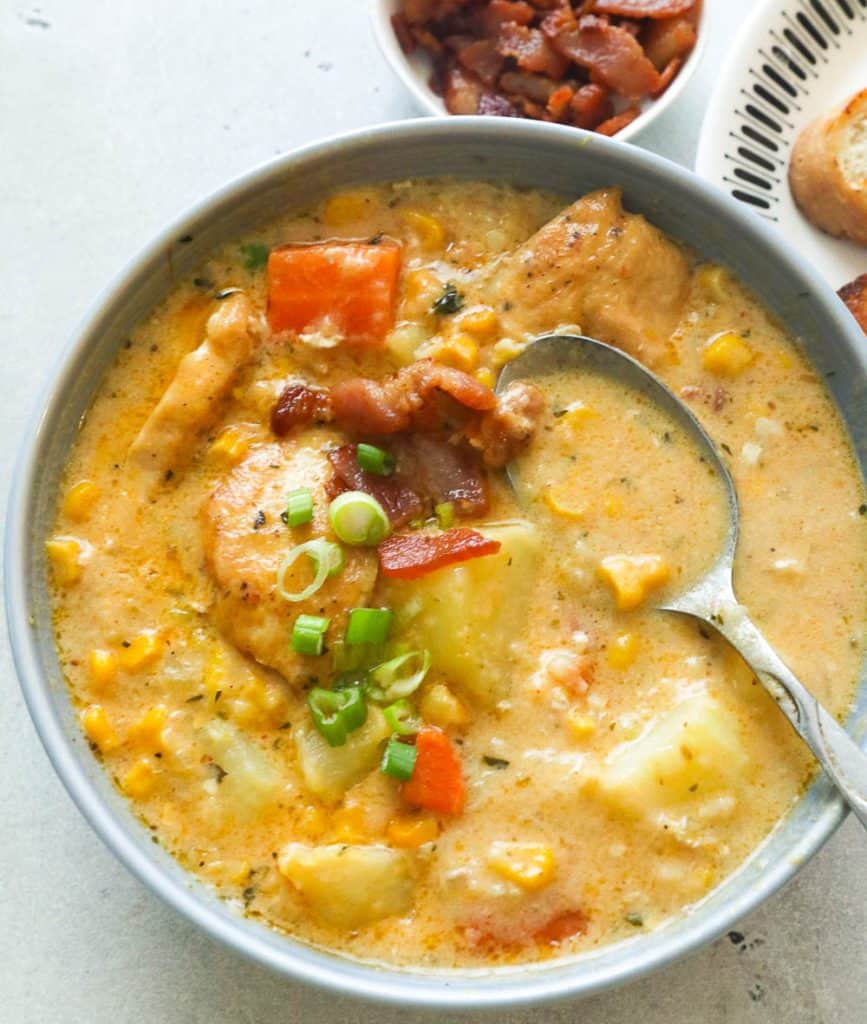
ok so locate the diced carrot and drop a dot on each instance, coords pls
(437, 782)
(407, 556)
(349, 288)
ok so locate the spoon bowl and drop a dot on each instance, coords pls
(711, 598)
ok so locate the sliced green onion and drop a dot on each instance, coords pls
(299, 507)
(327, 559)
(398, 761)
(336, 713)
(308, 634)
(445, 513)
(350, 658)
(368, 625)
(401, 718)
(395, 678)
(358, 519)
(375, 460)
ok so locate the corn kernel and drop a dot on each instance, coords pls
(230, 446)
(102, 666)
(64, 554)
(505, 350)
(558, 500)
(622, 651)
(140, 652)
(632, 577)
(313, 822)
(141, 779)
(148, 730)
(576, 414)
(529, 865)
(441, 707)
(715, 280)
(459, 351)
(349, 825)
(239, 872)
(481, 322)
(727, 355)
(580, 725)
(421, 285)
(485, 375)
(98, 728)
(214, 675)
(80, 499)
(429, 230)
(612, 506)
(344, 208)
(408, 831)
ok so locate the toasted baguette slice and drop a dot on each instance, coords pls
(828, 171)
(854, 294)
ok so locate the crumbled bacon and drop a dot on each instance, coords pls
(613, 124)
(531, 50)
(508, 427)
(643, 8)
(407, 556)
(408, 400)
(613, 56)
(527, 57)
(399, 500)
(563, 926)
(299, 405)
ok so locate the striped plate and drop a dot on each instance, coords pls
(794, 60)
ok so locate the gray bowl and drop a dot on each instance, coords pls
(523, 153)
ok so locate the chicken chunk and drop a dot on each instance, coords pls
(595, 265)
(190, 404)
(245, 541)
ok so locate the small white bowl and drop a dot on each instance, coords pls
(414, 71)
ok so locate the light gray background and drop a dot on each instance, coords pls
(114, 116)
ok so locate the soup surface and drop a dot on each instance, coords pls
(354, 681)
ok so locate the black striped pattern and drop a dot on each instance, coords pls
(807, 37)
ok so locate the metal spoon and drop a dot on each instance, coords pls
(711, 599)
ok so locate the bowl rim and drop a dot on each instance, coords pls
(455, 991)
(380, 11)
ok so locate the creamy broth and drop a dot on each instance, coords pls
(618, 762)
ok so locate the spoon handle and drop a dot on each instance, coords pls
(834, 748)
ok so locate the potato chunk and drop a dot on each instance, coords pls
(349, 886)
(330, 771)
(692, 751)
(468, 615)
(251, 782)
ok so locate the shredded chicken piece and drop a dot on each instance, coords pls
(192, 400)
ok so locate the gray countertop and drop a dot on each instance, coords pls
(114, 116)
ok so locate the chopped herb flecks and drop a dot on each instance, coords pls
(255, 256)
(451, 301)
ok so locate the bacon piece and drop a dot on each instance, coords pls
(643, 8)
(299, 405)
(461, 91)
(500, 12)
(430, 471)
(406, 400)
(505, 430)
(403, 32)
(497, 106)
(590, 106)
(668, 75)
(854, 294)
(398, 499)
(482, 59)
(559, 101)
(408, 556)
(614, 57)
(536, 88)
(531, 50)
(666, 40)
(614, 124)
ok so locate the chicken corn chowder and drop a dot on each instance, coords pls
(367, 691)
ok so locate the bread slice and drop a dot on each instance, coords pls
(828, 171)
(854, 294)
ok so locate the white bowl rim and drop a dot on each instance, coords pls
(380, 12)
(529, 984)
